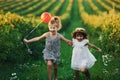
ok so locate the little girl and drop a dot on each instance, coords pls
(52, 47)
(82, 58)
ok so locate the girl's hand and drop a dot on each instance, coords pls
(99, 50)
(69, 43)
(25, 40)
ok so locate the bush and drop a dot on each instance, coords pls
(12, 49)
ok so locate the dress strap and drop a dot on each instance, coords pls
(58, 35)
(48, 35)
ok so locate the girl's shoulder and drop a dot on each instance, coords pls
(73, 39)
(46, 34)
(85, 40)
(59, 35)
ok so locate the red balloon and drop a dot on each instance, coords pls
(45, 17)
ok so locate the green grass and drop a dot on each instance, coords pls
(6, 4)
(62, 8)
(87, 7)
(29, 5)
(99, 6)
(36, 69)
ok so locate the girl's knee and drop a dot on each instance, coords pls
(49, 63)
(83, 70)
(55, 66)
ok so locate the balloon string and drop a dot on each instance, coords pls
(29, 50)
(35, 27)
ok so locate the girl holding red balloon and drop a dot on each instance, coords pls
(52, 48)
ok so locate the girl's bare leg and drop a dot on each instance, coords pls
(49, 69)
(55, 71)
(86, 72)
(76, 75)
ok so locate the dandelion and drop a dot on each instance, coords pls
(100, 38)
(105, 71)
(116, 70)
(106, 58)
(14, 76)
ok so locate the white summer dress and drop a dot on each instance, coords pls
(81, 56)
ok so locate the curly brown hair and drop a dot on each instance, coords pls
(79, 32)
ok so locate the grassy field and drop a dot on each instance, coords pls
(71, 13)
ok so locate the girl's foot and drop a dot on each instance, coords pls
(55, 79)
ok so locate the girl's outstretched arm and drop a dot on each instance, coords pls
(35, 39)
(64, 39)
(94, 47)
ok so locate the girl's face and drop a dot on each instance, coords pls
(79, 37)
(52, 28)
